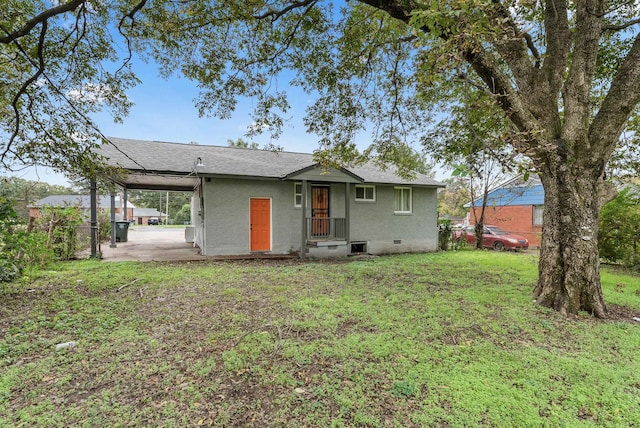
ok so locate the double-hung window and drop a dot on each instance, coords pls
(365, 193)
(297, 195)
(402, 200)
(538, 210)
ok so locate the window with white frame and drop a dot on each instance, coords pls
(402, 200)
(538, 210)
(297, 194)
(365, 193)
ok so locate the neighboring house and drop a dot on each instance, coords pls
(82, 201)
(255, 201)
(515, 206)
(142, 215)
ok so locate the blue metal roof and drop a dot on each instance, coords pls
(517, 195)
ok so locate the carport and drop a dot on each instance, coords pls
(148, 245)
(153, 244)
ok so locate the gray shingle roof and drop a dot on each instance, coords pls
(164, 157)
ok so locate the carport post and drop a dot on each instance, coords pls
(303, 243)
(347, 215)
(93, 218)
(124, 199)
(113, 220)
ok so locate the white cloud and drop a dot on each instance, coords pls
(90, 93)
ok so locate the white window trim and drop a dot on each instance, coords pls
(410, 200)
(295, 195)
(533, 220)
(365, 186)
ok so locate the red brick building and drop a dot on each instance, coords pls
(515, 207)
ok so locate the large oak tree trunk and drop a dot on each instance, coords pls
(552, 100)
(569, 269)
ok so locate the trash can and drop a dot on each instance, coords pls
(189, 233)
(122, 230)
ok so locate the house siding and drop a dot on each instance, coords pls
(517, 219)
(227, 222)
(376, 223)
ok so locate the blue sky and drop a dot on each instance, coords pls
(164, 110)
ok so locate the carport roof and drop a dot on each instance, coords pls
(163, 165)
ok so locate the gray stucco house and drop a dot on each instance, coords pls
(255, 201)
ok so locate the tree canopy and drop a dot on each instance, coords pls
(392, 68)
(552, 81)
(26, 192)
(59, 64)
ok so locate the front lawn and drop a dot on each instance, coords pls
(445, 339)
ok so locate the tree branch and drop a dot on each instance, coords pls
(396, 94)
(481, 61)
(512, 47)
(559, 38)
(276, 14)
(24, 87)
(500, 86)
(41, 18)
(287, 43)
(131, 15)
(621, 26)
(398, 9)
(619, 104)
(42, 72)
(602, 13)
(532, 48)
(576, 92)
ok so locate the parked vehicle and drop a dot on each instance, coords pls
(153, 221)
(492, 237)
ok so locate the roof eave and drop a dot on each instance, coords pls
(292, 175)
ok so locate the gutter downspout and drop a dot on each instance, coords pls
(202, 217)
(113, 221)
(347, 214)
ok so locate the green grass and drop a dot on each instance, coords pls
(444, 339)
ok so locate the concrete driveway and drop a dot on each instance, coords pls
(152, 243)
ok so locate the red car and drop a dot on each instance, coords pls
(492, 237)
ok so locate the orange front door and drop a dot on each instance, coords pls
(260, 224)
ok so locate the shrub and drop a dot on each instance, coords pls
(20, 248)
(9, 270)
(444, 234)
(618, 233)
(61, 226)
(104, 229)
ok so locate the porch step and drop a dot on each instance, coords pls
(325, 242)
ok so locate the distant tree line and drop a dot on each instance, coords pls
(25, 192)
